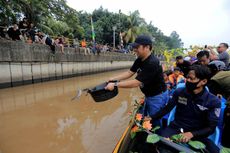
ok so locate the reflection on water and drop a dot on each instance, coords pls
(40, 118)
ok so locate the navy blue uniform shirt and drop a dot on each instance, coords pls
(198, 114)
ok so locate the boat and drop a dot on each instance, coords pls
(138, 144)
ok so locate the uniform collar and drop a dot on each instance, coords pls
(195, 96)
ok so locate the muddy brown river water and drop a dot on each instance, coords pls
(41, 118)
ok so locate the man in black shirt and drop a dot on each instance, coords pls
(14, 33)
(32, 31)
(23, 25)
(197, 110)
(149, 76)
(182, 64)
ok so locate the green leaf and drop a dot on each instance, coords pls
(153, 138)
(136, 102)
(133, 134)
(196, 144)
(156, 128)
(225, 150)
(176, 137)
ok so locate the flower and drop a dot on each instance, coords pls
(147, 125)
(135, 129)
(142, 100)
(138, 117)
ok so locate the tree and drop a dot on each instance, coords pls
(55, 17)
(175, 41)
(159, 48)
(9, 11)
(135, 22)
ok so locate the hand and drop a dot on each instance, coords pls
(111, 79)
(110, 86)
(210, 47)
(186, 137)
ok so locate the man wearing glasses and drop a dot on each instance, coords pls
(223, 54)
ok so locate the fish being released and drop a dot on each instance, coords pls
(79, 93)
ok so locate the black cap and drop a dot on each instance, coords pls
(142, 40)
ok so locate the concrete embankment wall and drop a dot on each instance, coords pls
(21, 63)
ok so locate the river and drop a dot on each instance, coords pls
(41, 118)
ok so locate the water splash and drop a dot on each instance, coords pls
(64, 123)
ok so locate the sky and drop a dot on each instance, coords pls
(198, 22)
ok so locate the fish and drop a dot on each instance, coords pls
(79, 93)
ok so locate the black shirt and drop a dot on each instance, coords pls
(184, 67)
(14, 34)
(149, 72)
(32, 33)
(23, 25)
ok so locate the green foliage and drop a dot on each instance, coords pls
(176, 137)
(135, 27)
(196, 144)
(159, 47)
(153, 138)
(45, 29)
(175, 41)
(55, 17)
(225, 150)
(133, 134)
(59, 27)
(156, 128)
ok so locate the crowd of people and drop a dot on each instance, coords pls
(195, 88)
(26, 31)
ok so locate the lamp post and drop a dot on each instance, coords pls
(120, 28)
(114, 28)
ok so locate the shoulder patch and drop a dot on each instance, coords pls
(217, 112)
(202, 107)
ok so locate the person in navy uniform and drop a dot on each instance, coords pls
(197, 110)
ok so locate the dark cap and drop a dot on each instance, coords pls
(142, 40)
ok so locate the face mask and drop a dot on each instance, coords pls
(191, 86)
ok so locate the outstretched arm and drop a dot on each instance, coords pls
(171, 104)
(124, 84)
(122, 76)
